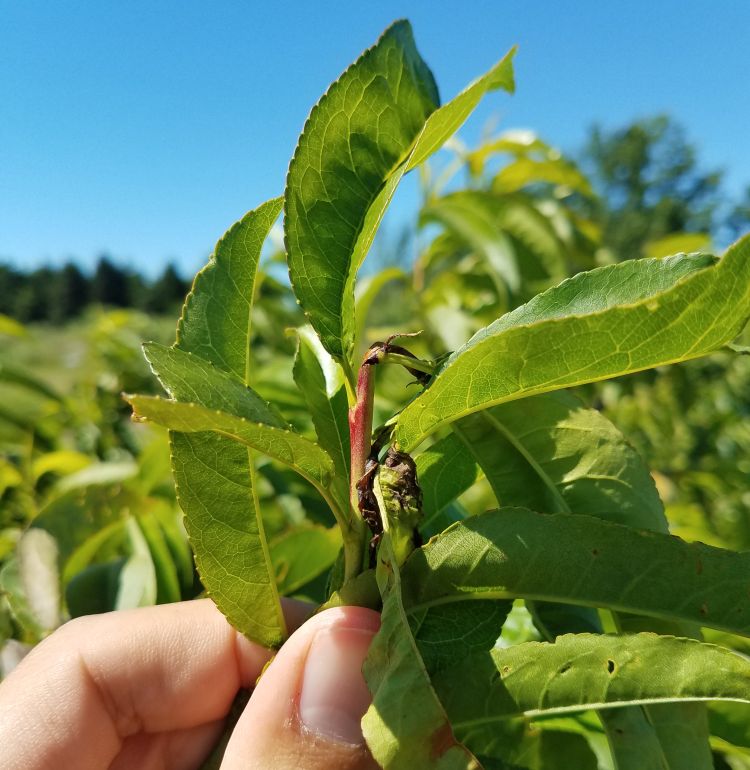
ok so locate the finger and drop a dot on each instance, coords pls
(306, 710)
(111, 676)
(177, 750)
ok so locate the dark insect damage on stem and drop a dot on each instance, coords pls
(401, 485)
(368, 504)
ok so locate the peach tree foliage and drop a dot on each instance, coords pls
(578, 532)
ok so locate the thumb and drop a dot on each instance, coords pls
(305, 712)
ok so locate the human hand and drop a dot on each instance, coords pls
(150, 688)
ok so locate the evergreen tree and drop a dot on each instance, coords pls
(69, 294)
(168, 290)
(33, 298)
(110, 284)
(650, 185)
(11, 283)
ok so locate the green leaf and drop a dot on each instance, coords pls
(38, 572)
(215, 476)
(30, 584)
(321, 382)
(12, 591)
(406, 726)
(441, 520)
(604, 323)
(469, 215)
(215, 322)
(365, 293)
(361, 591)
(167, 581)
(11, 327)
(80, 514)
(10, 476)
(518, 553)
(377, 121)
(216, 490)
(445, 470)
(584, 671)
(677, 242)
(516, 743)
(553, 455)
(16, 376)
(175, 537)
(62, 462)
(525, 171)
(635, 742)
(282, 444)
(9, 537)
(302, 555)
(516, 142)
(189, 378)
(731, 722)
(348, 162)
(519, 216)
(450, 632)
(85, 553)
(445, 121)
(94, 589)
(137, 581)
(106, 474)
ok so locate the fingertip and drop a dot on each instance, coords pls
(309, 703)
(334, 695)
(361, 618)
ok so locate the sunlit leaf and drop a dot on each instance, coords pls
(672, 244)
(165, 571)
(63, 462)
(282, 444)
(11, 327)
(215, 476)
(137, 581)
(525, 171)
(302, 555)
(321, 382)
(514, 552)
(359, 140)
(585, 330)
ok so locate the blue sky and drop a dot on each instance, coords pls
(146, 128)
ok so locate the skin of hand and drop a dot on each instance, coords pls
(150, 688)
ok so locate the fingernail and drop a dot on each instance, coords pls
(334, 694)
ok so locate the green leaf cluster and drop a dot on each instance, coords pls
(536, 611)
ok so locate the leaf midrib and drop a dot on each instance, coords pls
(477, 594)
(538, 712)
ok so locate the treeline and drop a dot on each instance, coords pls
(60, 294)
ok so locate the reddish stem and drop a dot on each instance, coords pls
(360, 416)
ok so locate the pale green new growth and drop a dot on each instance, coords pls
(321, 382)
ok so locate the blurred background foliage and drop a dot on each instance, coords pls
(88, 516)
